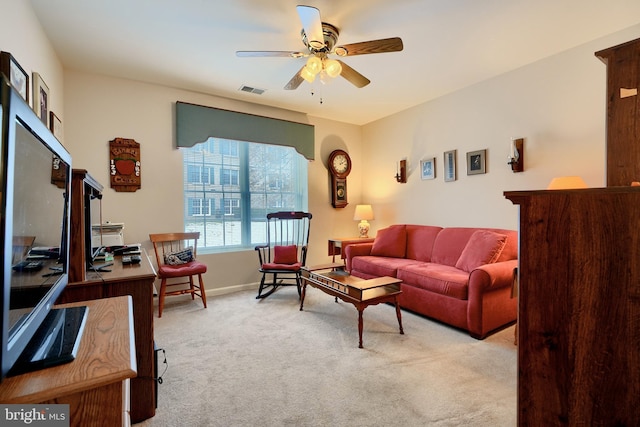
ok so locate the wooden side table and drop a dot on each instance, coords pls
(339, 244)
(96, 384)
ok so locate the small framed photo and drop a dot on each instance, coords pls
(55, 125)
(476, 162)
(18, 78)
(41, 98)
(450, 165)
(428, 168)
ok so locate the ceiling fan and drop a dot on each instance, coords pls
(320, 40)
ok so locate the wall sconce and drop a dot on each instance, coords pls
(516, 157)
(363, 213)
(401, 172)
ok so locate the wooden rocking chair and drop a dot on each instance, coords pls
(285, 252)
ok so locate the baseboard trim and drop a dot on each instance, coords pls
(231, 289)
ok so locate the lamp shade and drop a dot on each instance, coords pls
(566, 182)
(363, 212)
(332, 67)
(314, 65)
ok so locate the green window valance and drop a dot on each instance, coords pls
(196, 123)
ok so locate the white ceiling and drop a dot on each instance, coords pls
(448, 44)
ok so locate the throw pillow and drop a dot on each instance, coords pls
(285, 254)
(483, 247)
(179, 257)
(390, 242)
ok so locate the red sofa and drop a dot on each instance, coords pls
(461, 276)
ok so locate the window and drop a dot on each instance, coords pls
(200, 174)
(230, 186)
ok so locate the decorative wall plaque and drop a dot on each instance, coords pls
(124, 165)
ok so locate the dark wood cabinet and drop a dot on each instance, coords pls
(135, 280)
(623, 112)
(84, 189)
(579, 307)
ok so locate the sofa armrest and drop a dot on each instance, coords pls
(496, 275)
(491, 301)
(357, 249)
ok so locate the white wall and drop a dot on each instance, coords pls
(100, 108)
(23, 37)
(557, 104)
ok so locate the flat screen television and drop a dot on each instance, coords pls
(35, 176)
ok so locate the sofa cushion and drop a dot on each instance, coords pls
(483, 247)
(420, 240)
(390, 242)
(449, 244)
(441, 279)
(379, 266)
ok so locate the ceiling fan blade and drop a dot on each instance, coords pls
(393, 44)
(295, 81)
(312, 25)
(273, 53)
(354, 77)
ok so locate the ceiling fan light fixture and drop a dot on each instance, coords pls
(307, 75)
(314, 65)
(332, 67)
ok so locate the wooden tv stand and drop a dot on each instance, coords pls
(135, 280)
(96, 384)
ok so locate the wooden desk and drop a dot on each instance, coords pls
(339, 244)
(95, 384)
(135, 280)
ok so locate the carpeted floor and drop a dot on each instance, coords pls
(244, 362)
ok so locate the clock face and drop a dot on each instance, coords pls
(340, 163)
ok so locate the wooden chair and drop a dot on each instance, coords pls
(285, 252)
(176, 257)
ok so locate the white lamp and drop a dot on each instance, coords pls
(364, 213)
(566, 182)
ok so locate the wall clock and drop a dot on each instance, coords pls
(339, 167)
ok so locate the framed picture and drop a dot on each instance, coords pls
(55, 125)
(15, 73)
(476, 162)
(428, 168)
(450, 165)
(41, 98)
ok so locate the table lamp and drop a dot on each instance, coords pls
(566, 182)
(363, 214)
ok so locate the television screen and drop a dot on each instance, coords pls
(39, 201)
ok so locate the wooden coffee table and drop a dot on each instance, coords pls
(333, 280)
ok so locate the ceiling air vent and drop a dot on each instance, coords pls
(252, 90)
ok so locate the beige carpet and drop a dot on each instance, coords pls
(244, 362)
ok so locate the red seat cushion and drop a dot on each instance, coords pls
(188, 269)
(287, 267)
